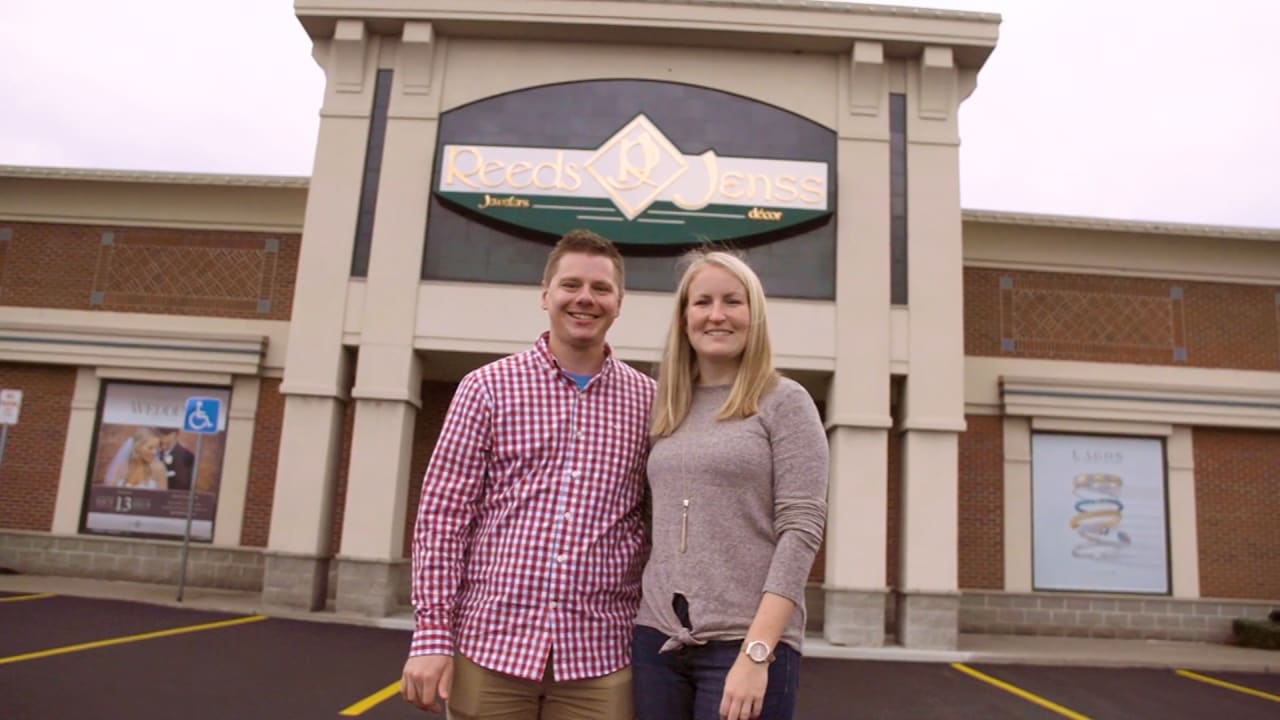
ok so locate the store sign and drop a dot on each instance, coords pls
(1099, 522)
(637, 187)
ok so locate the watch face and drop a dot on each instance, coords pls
(758, 651)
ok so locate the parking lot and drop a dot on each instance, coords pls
(69, 657)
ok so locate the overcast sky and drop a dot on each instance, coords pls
(1132, 109)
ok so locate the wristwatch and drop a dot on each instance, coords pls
(759, 652)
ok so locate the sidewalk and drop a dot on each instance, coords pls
(977, 649)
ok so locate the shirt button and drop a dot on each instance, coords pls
(561, 558)
(581, 434)
(568, 515)
(554, 604)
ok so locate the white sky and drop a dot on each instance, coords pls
(1134, 109)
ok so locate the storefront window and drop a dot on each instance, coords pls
(1099, 514)
(144, 465)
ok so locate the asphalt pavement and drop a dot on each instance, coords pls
(64, 656)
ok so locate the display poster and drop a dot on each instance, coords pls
(1099, 514)
(144, 464)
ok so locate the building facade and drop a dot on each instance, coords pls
(1037, 424)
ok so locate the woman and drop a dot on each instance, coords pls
(738, 476)
(142, 469)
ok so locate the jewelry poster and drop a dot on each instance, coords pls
(144, 465)
(1099, 514)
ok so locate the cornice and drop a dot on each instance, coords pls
(789, 25)
(1150, 227)
(836, 7)
(153, 177)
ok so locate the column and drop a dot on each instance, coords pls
(858, 415)
(317, 367)
(928, 610)
(241, 416)
(372, 570)
(81, 425)
(1017, 505)
(1184, 543)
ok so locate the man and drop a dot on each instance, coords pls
(178, 461)
(529, 542)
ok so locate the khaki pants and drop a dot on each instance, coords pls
(481, 694)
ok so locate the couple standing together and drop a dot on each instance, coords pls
(564, 482)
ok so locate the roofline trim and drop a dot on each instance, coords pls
(152, 176)
(1152, 227)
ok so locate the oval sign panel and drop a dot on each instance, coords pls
(639, 181)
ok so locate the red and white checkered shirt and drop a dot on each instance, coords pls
(529, 533)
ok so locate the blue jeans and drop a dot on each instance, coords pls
(687, 684)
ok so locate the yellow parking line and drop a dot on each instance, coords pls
(1029, 697)
(19, 598)
(1229, 686)
(130, 638)
(362, 706)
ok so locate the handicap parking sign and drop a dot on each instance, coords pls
(201, 415)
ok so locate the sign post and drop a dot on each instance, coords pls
(200, 417)
(10, 405)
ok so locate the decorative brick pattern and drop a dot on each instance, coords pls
(1238, 512)
(33, 449)
(1103, 616)
(1094, 318)
(135, 560)
(149, 270)
(981, 522)
(261, 490)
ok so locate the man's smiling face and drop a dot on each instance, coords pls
(582, 300)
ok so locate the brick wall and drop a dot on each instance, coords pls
(893, 507)
(982, 503)
(1238, 513)
(33, 450)
(149, 270)
(1061, 316)
(340, 492)
(260, 493)
(436, 397)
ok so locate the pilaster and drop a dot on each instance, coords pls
(389, 373)
(317, 367)
(234, 485)
(933, 404)
(857, 408)
(81, 425)
(1184, 543)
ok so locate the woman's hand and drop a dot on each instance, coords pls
(744, 689)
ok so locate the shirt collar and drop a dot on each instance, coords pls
(543, 350)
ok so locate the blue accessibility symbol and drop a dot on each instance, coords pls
(201, 415)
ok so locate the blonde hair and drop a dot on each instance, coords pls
(678, 372)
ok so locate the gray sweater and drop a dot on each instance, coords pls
(756, 491)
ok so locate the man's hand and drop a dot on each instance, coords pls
(426, 679)
(744, 689)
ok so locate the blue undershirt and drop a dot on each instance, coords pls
(579, 380)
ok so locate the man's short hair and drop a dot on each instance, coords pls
(586, 243)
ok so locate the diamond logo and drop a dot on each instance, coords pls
(636, 165)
